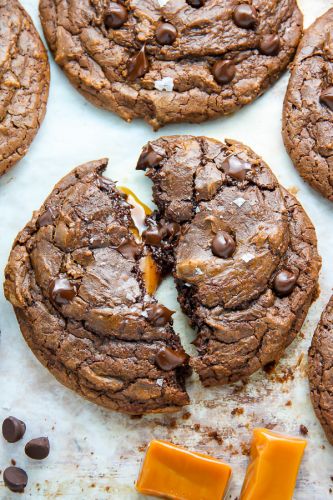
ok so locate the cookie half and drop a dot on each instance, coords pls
(172, 61)
(320, 371)
(244, 253)
(74, 278)
(308, 107)
(24, 83)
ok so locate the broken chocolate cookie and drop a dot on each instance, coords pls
(24, 83)
(308, 107)
(172, 61)
(320, 370)
(75, 279)
(244, 256)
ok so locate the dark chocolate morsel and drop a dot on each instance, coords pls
(235, 167)
(326, 97)
(62, 291)
(129, 249)
(245, 16)
(284, 282)
(148, 159)
(172, 231)
(38, 448)
(138, 65)
(166, 34)
(153, 236)
(223, 71)
(223, 245)
(270, 45)
(13, 429)
(167, 359)
(196, 3)
(46, 218)
(15, 479)
(158, 315)
(116, 16)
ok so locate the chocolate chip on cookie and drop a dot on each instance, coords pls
(246, 252)
(174, 61)
(307, 113)
(82, 288)
(24, 83)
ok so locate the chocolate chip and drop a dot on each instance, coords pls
(270, 45)
(326, 97)
(166, 34)
(46, 218)
(223, 71)
(129, 249)
(138, 65)
(13, 429)
(196, 3)
(235, 167)
(153, 236)
(116, 16)
(148, 159)
(245, 16)
(15, 479)
(284, 282)
(158, 315)
(62, 291)
(168, 359)
(223, 245)
(38, 448)
(172, 231)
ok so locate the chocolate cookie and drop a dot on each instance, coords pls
(24, 83)
(172, 61)
(308, 107)
(75, 279)
(320, 370)
(243, 251)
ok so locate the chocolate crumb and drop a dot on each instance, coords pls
(237, 411)
(216, 436)
(186, 415)
(196, 427)
(303, 430)
(288, 403)
(13, 462)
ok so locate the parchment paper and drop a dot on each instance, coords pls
(96, 454)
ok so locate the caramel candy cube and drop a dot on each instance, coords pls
(273, 467)
(171, 471)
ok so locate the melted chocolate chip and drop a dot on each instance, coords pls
(236, 168)
(270, 45)
(129, 249)
(166, 34)
(223, 245)
(245, 16)
(15, 479)
(138, 65)
(196, 3)
(13, 429)
(148, 159)
(153, 236)
(284, 282)
(168, 359)
(158, 315)
(172, 231)
(116, 16)
(223, 71)
(46, 218)
(326, 97)
(38, 448)
(62, 291)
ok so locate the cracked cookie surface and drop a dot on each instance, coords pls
(308, 107)
(243, 254)
(320, 370)
(24, 83)
(169, 61)
(74, 278)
